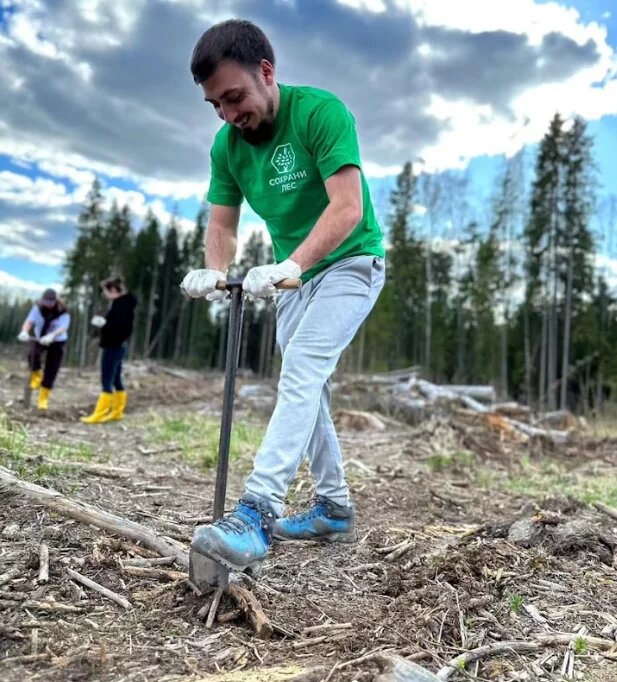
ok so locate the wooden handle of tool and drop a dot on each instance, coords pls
(288, 283)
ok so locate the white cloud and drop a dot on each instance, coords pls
(32, 192)
(16, 285)
(175, 190)
(370, 5)
(607, 267)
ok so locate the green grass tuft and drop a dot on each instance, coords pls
(198, 437)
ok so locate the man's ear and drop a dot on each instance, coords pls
(266, 69)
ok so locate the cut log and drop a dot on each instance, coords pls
(512, 409)
(556, 437)
(560, 419)
(483, 393)
(357, 420)
(434, 392)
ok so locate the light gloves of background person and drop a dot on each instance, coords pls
(259, 281)
(98, 321)
(23, 336)
(47, 340)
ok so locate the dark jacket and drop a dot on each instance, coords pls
(119, 325)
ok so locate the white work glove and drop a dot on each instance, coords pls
(47, 340)
(259, 281)
(23, 337)
(98, 321)
(202, 284)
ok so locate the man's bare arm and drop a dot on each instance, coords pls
(338, 220)
(221, 237)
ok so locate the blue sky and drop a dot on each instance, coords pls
(90, 87)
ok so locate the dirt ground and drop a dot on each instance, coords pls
(467, 538)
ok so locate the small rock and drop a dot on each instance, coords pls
(12, 532)
(524, 532)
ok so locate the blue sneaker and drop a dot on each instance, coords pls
(240, 540)
(325, 521)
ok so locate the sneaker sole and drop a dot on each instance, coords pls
(253, 569)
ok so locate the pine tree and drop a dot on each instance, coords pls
(86, 264)
(143, 280)
(542, 247)
(576, 241)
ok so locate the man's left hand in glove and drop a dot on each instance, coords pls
(259, 281)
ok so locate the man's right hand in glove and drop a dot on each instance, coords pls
(23, 336)
(98, 321)
(202, 284)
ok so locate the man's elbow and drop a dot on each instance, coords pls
(352, 214)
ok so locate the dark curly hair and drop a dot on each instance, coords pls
(235, 40)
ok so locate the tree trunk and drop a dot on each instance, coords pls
(567, 324)
(428, 321)
(527, 344)
(151, 311)
(181, 330)
(504, 357)
(543, 360)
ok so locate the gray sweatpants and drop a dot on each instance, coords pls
(314, 326)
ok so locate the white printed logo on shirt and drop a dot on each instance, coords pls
(284, 158)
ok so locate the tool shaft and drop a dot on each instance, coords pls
(231, 366)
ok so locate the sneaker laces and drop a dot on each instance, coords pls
(237, 522)
(317, 501)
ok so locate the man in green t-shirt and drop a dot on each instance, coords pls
(292, 153)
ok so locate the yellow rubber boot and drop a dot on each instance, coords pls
(117, 408)
(36, 379)
(103, 406)
(44, 394)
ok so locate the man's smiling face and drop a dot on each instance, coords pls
(243, 98)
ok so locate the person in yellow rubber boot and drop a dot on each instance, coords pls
(116, 328)
(46, 330)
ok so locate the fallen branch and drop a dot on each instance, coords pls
(9, 575)
(609, 511)
(311, 641)
(125, 603)
(214, 605)
(47, 606)
(247, 601)
(541, 641)
(86, 513)
(399, 551)
(86, 467)
(159, 573)
(463, 660)
(327, 626)
(43, 563)
(28, 658)
(155, 561)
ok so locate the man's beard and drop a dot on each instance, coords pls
(264, 131)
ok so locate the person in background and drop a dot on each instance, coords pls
(45, 329)
(116, 328)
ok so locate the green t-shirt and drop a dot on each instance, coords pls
(283, 179)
